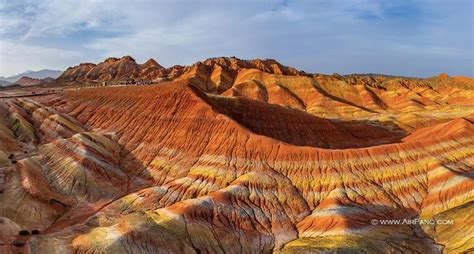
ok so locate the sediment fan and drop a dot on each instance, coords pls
(235, 156)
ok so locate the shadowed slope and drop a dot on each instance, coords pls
(300, 128)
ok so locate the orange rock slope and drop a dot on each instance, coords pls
(241, 156)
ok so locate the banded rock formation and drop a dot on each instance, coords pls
(392, 102)
(237, 158)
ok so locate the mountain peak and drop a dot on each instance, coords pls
(111, 60)
(127, 58)
(152, 63)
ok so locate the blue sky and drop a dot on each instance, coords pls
(413, 38)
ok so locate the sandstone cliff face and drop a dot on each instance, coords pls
(241, 160)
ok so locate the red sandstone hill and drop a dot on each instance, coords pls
(27, 81)
(77, 73)
(236, 156)
(113, 69)
(126, 68)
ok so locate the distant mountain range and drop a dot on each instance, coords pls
(42, 74)
(5, 83)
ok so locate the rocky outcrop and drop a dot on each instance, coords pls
(266, 65)
(77, 73)
(124, 68)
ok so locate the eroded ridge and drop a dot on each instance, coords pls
(171, 168)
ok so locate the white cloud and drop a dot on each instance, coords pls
(56, 17)
(318, 36)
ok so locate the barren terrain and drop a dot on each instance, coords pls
(236, 156)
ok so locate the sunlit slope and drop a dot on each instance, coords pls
(232, 156)
(169, 168)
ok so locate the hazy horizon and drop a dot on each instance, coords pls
(406, 38)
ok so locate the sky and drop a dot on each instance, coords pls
(412, 38)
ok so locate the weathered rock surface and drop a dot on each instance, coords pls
(240, 157)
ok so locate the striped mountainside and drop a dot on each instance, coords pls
(256, 162)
